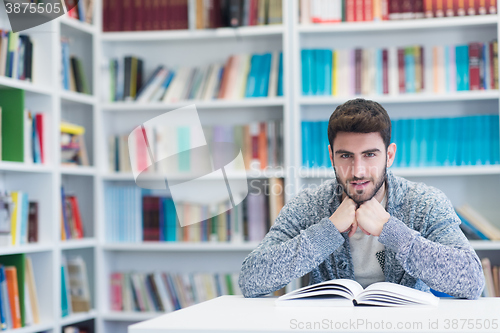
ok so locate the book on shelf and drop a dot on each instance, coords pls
(82, 10)
(78, 284)
(477, 223)
(65, 289)
(71, 220)
(16, 55)
(491, 278)
(73, 148)
(73, 74)
(217, 14)
(345, 292)
(19, 223)
(241, 76)
(336, 11)
(260, 143)
(145, 15)
(431, 142)
(77, 329)
(400, 70)
(166, 291)
(133, 216)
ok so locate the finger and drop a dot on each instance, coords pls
(366, 232)
(354, 227)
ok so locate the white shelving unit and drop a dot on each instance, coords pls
(476, 185)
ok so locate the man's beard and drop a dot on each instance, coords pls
(377, 186)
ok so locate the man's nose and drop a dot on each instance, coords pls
(359, 167)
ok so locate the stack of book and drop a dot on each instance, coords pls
(242, 76)
(217, 13)
(75, 296)
(475, 226)
(132, 15)
(82, 10)
(73, 75)
(19, 220)
(135, 218)
(16, 55)
(334, 11)
(73, 149)
(71, 219)
(166, 292)
(18, 295)
(411, 69)
(457, 141)
(260, 142)
(492, 279)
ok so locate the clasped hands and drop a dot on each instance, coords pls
(370, 217)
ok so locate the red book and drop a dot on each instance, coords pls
(482, 10)
(138, 15)
(13, 291)
(407, 9)
(128, 15)
(368, 10)
(151, 218)
(401, 70)
(459, 7)
(71, 8)
(437, 5)
(147, 17)
(39, 129)
(183, 22)
(419, 9)
(358, 16)
(471, 7)
(165, 14)
(394, 10)
(429, 12)
(115, 15)
(385, 71)
(492, 65)
(156, 15)
(358, 58)
(76, 216)
(492, 6)
(116, 292)
(385, 10)
(350, 12)
(449, 9)
(33, 222)
(474, 54)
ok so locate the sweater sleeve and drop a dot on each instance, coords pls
(439, 255)
(298, 242)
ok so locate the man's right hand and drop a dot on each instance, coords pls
(344, 218)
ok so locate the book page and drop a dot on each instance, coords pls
(395, 294)
(338, 287)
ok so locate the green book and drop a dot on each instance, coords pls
(17, 260)
(12, 106)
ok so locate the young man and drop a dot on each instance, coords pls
(367, 224)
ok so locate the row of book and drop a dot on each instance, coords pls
(24, 134)
(82, 10)
(19, 220)
(71, 219)
(76, 329)
(166, 291)
(242, 76)
(220, 13)
(458, 141)
(18, 295)
(16, 55)
(411, 69)
(261, 144)
(134, 217)
(334, 11)
(73, 148)
(475, 225)
(132, 15)
(75, 291)
(73, 75)
(491, 278)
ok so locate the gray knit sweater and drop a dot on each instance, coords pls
(424, 246)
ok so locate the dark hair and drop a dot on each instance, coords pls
(360, 116)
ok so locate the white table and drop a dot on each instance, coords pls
(237, 314)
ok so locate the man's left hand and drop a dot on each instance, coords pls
(371, 216)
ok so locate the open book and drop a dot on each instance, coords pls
(345, 292)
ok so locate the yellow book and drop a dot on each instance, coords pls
(15, 212)
(72, 128)
(335, 73)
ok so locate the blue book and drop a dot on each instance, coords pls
(328, 63)
(263, 76)
(478, 133)
(319, 72)
(405, 143)
(24, 219)
(409, 70)
(442, 153)
(423, 128)
(280, 76)
(452, 141)
(171, 215)
(495, 155)
(412, 143)
(484, 72)
(485, 143)
(4, 298)
(462, 65)
(468, 138)
(317, 144)
(306, 72)
(471, 227)
(306, 159)
(447, 68)
(251, 86)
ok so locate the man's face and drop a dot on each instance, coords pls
(360, 161)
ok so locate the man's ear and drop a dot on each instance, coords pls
(391, 154)
(330, 152)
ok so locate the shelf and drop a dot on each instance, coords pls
(7, 82)
(28, 248)
(78, 243)
(183, 35)
(32, 328)
(420, 24)
(24, 167)
(78, 317)
(78, 25)
(215, 104)
(75, 97)
(271, 173)
(78, 170)
(416, 172)
(485, 245)
(179, 246)
(130, 316)
(405, 98)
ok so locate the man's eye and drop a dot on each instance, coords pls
(344, 155)
(370, 154)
